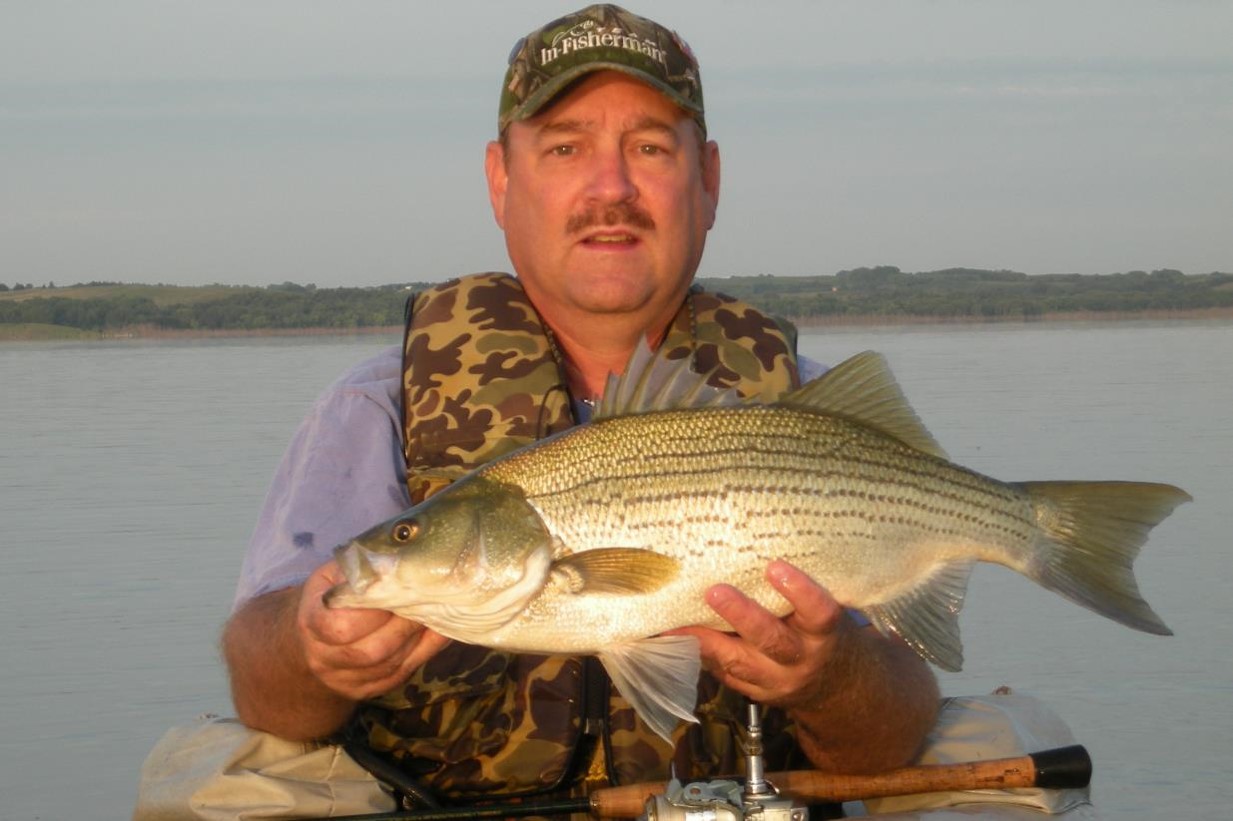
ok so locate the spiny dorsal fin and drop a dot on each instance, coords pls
(653, 382)
(615, 570)
(863, 389)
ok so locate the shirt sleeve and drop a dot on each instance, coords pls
(809, 369)
(342, 473)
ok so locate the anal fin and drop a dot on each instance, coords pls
(927, 617)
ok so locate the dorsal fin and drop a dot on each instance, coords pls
(653, 382)
(863, 389)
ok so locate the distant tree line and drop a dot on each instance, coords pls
(29, 286)
(277, 307)
(878, 291)
(966, 292)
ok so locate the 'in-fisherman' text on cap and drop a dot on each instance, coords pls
(598, 38)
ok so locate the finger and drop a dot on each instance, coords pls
(756, 625)
(814, 610)
(339, 626)
(744, 614)
(729, 658)
(344, 628)
(428, 644)
(748, 673)
(340, 672)
(393, 638)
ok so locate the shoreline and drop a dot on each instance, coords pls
(52, 333)
(874, 320)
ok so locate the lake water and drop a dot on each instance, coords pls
(131, 474)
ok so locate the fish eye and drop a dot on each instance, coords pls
(405, 531)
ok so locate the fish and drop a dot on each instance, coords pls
(600, 538)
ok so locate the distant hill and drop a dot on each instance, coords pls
(112, 308)
(967, 293)
(883, 292)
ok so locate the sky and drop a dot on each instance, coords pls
(341, 143)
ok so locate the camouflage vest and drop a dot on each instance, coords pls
(481, 377)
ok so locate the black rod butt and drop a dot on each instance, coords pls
(1063, 767)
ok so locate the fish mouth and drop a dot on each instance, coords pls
(338, 596)
(356, 567)
(358, 574)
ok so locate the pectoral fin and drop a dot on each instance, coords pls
(659, 678)
(615, 570)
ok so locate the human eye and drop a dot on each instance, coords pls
(655, 143)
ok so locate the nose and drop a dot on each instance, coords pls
(610, 179)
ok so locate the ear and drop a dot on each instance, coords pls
(494, 170)
(710, 180)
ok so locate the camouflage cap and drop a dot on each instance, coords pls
(598, 38)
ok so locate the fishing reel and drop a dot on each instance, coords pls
(720, 801)
(725, 800)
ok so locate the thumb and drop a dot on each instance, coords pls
(343, 625)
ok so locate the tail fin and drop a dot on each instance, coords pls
(1093, 534)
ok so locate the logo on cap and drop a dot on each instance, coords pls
(590, 34)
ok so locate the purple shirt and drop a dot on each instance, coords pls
(343, 472)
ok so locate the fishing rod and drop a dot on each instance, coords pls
(1060, 768)
(761, 794)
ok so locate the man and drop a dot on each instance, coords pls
(605, 186)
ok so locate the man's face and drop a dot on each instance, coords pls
(605, 199)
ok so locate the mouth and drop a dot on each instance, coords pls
(340, 595)
(358, 573)
(356, 567)
(610, 240)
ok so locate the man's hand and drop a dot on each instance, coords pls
(358, 653)
(780, 662)
(862, 702)
(298, 668)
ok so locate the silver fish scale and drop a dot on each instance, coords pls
(725, 490)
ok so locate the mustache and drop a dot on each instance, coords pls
(620, 213)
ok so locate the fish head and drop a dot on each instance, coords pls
(468, 558)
